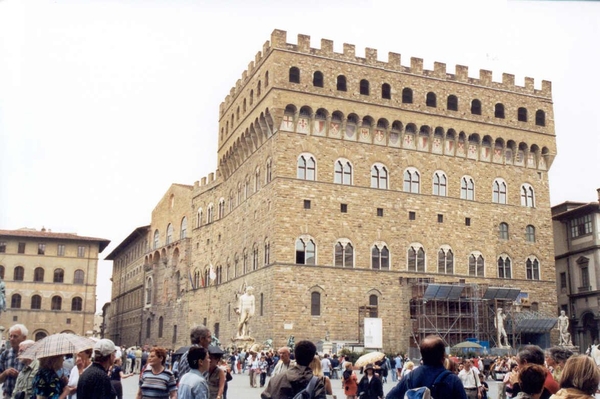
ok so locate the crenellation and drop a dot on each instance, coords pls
(211, 177)
(326, 48)
(416, 65)
(350, 51)
(529, 84)
(461, 73)
(485, 77)
(394, 61)
(304, 43)
(508, 79)
(279, 38)
(546, 88)
(238, 84)
(439, 70)
(203, 181)
(371, 56)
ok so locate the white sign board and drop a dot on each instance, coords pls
(373, 333)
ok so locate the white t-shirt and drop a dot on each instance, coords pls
(326, 365)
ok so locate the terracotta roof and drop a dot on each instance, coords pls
(31, 233)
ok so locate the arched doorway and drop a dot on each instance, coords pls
(589, 335)
(39, 335)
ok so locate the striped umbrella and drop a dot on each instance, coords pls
(57, 344)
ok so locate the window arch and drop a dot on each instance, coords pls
(412, 180)
(160, 326)
(183, 230)
(476, 107)
(267, 252)
(148, 299)
(467, 188)
(532, 268)
(440, 183)
(155, 239)
(294, 75)
(210, 213)
(386, 91)
(504, 267)
(169, 234)
(499, 110)
(59, 276)
(315, 303)
(527, 196)
(416, 258)
(221, 208)
(38, 275)
(268, 171)
(364, 87)
(431, 100)
(530, 233)
(56, 303)
(199, 217)
(15, 301)
(379, 176)
(407, 95)
(344, 254)
(499, 191)
(19, 273)
(36, 302)
(78, 277)
(522, 114)
(342, 172)
(445, 260)
(380, 257)
(540, 118)
(318, 79)
(341, 83)
(373, 305)
(307, 167)
(476, 264)
(503, 231)
(452, 103)
(306, 251)
(76, 304)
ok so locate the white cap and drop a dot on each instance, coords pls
(104, 347)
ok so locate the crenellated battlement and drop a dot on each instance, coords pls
(461, 73)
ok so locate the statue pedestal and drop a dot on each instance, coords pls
(572, 348)
(327, 347)
(243, 343)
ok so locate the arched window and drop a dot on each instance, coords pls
(452, 103)
(148, 327)
(344, 254)
(306, 167)
(19, 273)
(504, 267)
(268, 174)
(2, 270)
(540, 118)
(267, 252)
(59, 276)
(476, 107)
(36, 302)
(15, 301)
(522, 114)
(407, 95)
(412, 181)
(440, 184)
(364, 87)
(266, 78)
(78, 277)
(160, 326)
(445, 261)
(210, 213)
(530, 233)
(380, 257)
(499, 111)
(38, 275)
(315, 303)
(467, 188)
(76, 304)
(258, 89)
(431, 100)
(499, 191)
(183, 231)
(318, 79)
(56, 303)
(373, 305)
(416, 259)
(379, 176)
(503, 231)
(527, 196)
(386, 91)
(251, 97)
(245, 260)
(294, 75)
(305, 252)
(342, 172)
(148, 300)
(532, 268)
(341, 83)
(169, 233)
(255, 257)
(155, 239)
(476, 265)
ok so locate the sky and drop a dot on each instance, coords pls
(104, 103)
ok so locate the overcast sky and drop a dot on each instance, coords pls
(104, 104)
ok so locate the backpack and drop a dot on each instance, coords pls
(309, 391)
(424, 392)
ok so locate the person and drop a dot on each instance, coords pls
(349, 381)
(116, 374)
(246, 310)
(286, 385)
(501, 332)
(335, 367)
(533, 354)
(156, 381)
(315, 366)
(509, 380)
(433, 352)
(137, 366)
(10, 366)
(83, 360)
(46, 383)
(94, 382)
(199, 336)
(284, 361)
(531, 380)
(24, 384)
(326, 366)
(470, 379)
(556, 358)
(408, 367)
(130, 361)
(370, 385)
(398, 365)
(193, 385)
(563, 329)
(216, 375)
(579, 379)
(254, 368)
(262, 369)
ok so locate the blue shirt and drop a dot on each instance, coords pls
(192, 386)
(425, 375)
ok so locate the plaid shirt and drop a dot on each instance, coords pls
(8, 359)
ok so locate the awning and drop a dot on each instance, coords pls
(536, 326)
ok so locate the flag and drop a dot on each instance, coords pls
(212, 273)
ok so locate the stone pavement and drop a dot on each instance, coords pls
(239, 388)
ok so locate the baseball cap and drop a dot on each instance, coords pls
(104, 347)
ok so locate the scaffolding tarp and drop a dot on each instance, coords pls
(538, 326)
(501, 293)
(443, 291)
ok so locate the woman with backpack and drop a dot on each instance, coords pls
(370, 386)
(349, 381)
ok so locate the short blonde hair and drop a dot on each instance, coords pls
(581, 373)
(409, 365)
(315, 366)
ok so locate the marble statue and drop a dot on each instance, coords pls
(2, 296)
(563, 328)
(246, 310)
(502, 338)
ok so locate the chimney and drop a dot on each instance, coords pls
(598, 191)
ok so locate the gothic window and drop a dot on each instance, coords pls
(76, 304)
(522, 114)
(364, 87)
(38, 275)
(342, 172)
(255, 257)
(169, 233)
(245, 260)
(452, 103)
(160, 327)
(267, 252)
(294, 75)
(155, 239)
(476, 107)
(530, 233)
(306, 167)
(416, 259)
(499, 191)
(499, 111)
(407, 95)
(445, 261)
(78, 277)
(318, 79)
(305, 252)
(379, 176)
(503, 231)
(268, 174)
(476, 265)
(504, 267)
(431, 100)
(386, 91)
(540, 118)
(532, 268)
(440, 183)
(341, 83)
(210, 213)
(467, 188)
(412, 180)
(183, 230)
(380, 257)
(315, 303)
(527, 196)
(344, 254)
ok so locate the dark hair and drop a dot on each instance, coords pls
(195, 354)
(531, 378)
(432, 350)
(198, 332)
(160, 352)
(304, 352)
(558, 354)
(531, 354)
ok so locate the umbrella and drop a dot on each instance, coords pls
(182, 350)
(57, 344)
(468, 345)
(369, 358)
